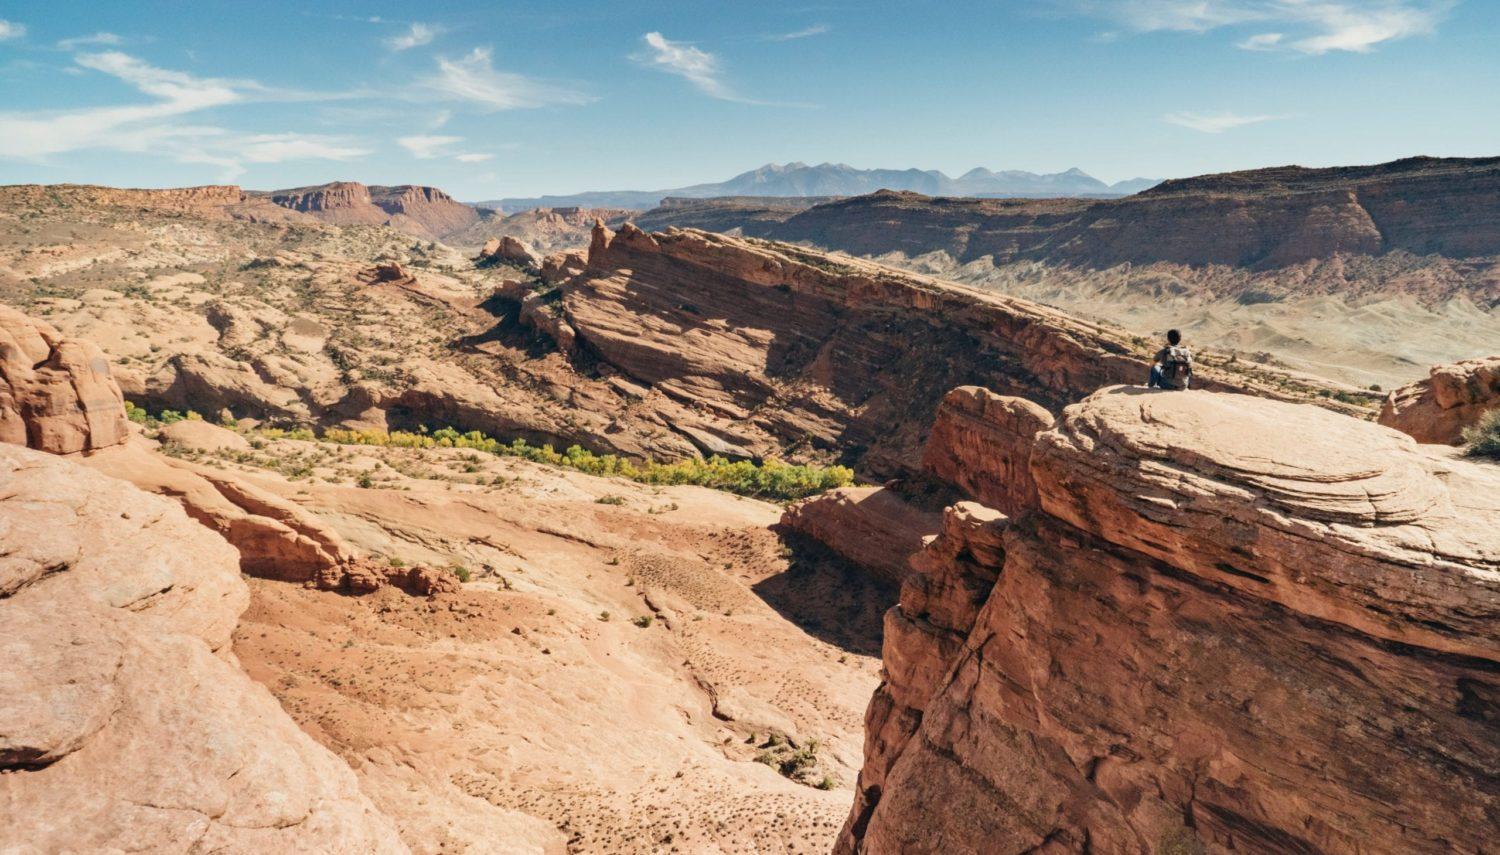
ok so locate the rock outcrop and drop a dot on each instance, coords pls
(508, 248)
(1226, 624)
(56, 393)
(871, 526)
(126, 724)
(981, 443)
(424, 212)
(1453, 397)
(790, 344)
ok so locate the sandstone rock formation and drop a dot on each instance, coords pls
(783, 343)
(425, 212)
(507, 248)
(871, 526)
(1351, 273)
(981, 443)
(56, 393)
(126, 724)
(1453, 397)
(1227, 624)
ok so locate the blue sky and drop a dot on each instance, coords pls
(490, 99)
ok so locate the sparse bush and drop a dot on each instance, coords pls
(460, 571)
(643, 621)
(772, 479)
(610, 500)
(365, 480)
(1483, 438)
(604, 616)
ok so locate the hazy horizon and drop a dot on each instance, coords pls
(534, 100)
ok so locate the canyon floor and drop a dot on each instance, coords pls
(622, 657)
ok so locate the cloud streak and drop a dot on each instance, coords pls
(11, 30)
(157, 126)
(806, 32)
(698, 67)
(100, 39)
(474, 79)
(1216, 123)
(1304, 26)
(417, 34)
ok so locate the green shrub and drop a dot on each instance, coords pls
(1483, 438)
(772, 479)
(461, 572)
(643, 621)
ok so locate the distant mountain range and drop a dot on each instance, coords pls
(841, 179)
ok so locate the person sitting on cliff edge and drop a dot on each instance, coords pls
(1173, 368)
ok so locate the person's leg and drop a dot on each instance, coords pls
(1155, 381)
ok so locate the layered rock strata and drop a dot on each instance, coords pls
(1227, 624)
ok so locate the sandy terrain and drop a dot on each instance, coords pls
(606, 682)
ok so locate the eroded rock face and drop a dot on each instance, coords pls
(56, 393)
(1230, 625)
(981, 443)
(797, 344)
(871, 526)
(1453, 397)
(126, 725)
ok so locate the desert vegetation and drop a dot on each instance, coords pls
(1483, 438)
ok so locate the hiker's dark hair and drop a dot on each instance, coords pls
(1173, 336)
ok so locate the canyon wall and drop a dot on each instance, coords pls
(774, 342)
(1225, 624)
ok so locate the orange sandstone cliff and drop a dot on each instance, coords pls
(1224, 624)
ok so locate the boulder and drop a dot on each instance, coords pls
(871, 526)
(127, 725)
(1230, 624)
(1452, 398)
(510, 249)
(56, 393)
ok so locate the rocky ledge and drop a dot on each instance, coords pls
(1224, 624)
(1453, 397)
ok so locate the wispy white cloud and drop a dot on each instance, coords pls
(11, 30)
(157, 125)
(100, 39)
(427, 147)
(416, 35)
(805, 32)
(431, 147)
(1305, 26)
(1216, 123)
(474, 79)
(698, 67)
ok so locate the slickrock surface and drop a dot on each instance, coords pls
(871, 526)
(56, 392)
(126, 724)
(1451, 398)
(981, 443)
(1231, 624)
(606, 681)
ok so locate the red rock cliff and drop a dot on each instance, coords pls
(1227, 624)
